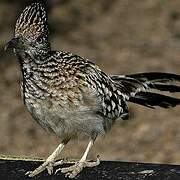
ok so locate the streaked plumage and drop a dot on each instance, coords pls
(71, 96)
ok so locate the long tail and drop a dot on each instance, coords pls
(136, 87)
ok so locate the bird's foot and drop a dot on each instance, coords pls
(74, 170)
(48, 164)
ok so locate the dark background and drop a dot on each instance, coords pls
(122, 37)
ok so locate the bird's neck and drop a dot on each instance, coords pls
(32, 57)
(31, 81)
(29, 61)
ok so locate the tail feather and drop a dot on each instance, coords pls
(155, 77)
(149, 99)
(165, 87)
(136, 87)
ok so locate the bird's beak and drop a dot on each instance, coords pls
(12, 44)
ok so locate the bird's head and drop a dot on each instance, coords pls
(31, 31)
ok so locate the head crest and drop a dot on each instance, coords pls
(32, 21)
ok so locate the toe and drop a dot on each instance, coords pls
(57, 170)
(50, 169)
(46, 165)
(30, 174)
(93, 164)
(67, 169)
(67, 175)
(58, 163)
(76, 171)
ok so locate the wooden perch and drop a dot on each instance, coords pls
(15, 169)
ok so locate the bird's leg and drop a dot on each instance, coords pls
(75, 169)
(49, 163)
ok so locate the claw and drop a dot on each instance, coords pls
(28, 173)
(67, 175)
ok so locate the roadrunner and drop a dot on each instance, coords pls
(70, 96)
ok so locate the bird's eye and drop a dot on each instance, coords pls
(40, 40)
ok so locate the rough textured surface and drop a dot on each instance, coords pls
(106, 170)
(122, 37)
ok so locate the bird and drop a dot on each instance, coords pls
(71, 96)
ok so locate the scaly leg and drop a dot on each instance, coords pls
(49, 163)
(75, 169)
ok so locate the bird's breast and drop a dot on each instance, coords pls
(65, 120)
